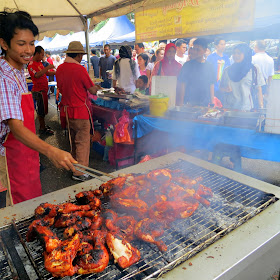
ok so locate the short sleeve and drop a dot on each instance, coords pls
(225, 79)
(10, 101)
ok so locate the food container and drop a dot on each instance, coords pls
(158, 105)
(186, 113)
(242, 119)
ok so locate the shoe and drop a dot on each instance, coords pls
(46, 131)
(81, 178)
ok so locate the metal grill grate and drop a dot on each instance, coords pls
(232, 204)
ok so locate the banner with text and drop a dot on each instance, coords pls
(189, 18)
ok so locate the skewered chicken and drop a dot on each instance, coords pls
(59, 262)
(124, 253)
(93, 259)
(44, 233)
(148, 230)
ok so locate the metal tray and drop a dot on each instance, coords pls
(241, 119)
(186, 113)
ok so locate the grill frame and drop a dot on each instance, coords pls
(161, 162)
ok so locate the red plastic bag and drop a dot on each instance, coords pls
(123, 129)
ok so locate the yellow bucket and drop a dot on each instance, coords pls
(158, 106)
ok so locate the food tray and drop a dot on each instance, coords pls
(242, 119)
(185, 113)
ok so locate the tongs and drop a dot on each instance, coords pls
(92, 172)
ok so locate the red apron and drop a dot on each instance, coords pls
(23, 162)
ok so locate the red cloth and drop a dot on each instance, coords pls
(168, 68)
(73, 82)
(38, 83)
(49, 60)
(23, 162)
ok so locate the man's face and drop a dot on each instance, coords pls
(41, 55)
(138, 50)
(107, 51)
(21, 48)
(198, 52)
(162, 45)
(182, 49)
(221, 46)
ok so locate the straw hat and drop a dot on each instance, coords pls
(75, 47)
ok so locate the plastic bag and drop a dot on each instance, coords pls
(123, 129)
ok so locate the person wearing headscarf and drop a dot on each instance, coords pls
(197, 77)
(168, 66)
(125, 71)
(239, 79)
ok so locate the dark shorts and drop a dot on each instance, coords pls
(40, 106)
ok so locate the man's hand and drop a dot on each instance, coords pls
(50, 66)
(61, 159)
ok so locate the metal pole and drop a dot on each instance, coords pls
(87, 44)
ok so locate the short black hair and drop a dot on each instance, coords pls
(145, 57)
(73, 55)
(93, 51)
(47, 52)
(144, 78)
(10, 21)
(107, 45)
(38, 49)
(180, 42)
(140, 45)
(218, 40)
(201, 42)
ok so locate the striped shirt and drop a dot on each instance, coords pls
(10, 98)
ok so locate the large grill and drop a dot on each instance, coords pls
(233, 204)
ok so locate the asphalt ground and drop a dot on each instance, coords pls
(53, 179)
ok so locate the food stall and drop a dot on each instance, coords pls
(235, 237)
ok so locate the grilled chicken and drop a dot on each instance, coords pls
(136, 207)
(148, 230)
(160, 175)
(124, 253)
(85, 223)
(37, 229)
(110, 219)
(110, 186)
(89, 197)
(93, 259)
(46, 209)
(59, 262)
(168, 211)
(126, 226)
(68, 207)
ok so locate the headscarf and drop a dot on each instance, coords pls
(170, 68)
(125, 52)
(238, 70)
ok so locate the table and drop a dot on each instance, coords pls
(205, 136)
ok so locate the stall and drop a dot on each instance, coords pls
(235, 237)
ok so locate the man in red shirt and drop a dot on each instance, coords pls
(50, 61)
(39, 78)
(74, 84)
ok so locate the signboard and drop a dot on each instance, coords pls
(189, 18)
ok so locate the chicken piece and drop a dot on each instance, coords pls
(59, 262)
(44, 234)
(96, 222)
(204, 191)
(65, 220)
(93, 259)
(46, 209)
(129, 192)
(137, 207)
(68, 207)
(148, 230)
(89, 197)
(168, 211)
(85, 223)
(110, 186)
(110, 219)
(186, 181)
(124, 253)
(126, 226)
(162, 176)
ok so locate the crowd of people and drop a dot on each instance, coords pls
(241, 81)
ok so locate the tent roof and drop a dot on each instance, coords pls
(114, 28)
(63, 16)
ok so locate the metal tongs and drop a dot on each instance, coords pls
(92, 172)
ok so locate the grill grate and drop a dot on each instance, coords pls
(232, 204)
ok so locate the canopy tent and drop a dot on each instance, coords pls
(127, 38)
(43, 43)
(115, 28)
(59, 42)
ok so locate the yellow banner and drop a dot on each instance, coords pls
(189, 18)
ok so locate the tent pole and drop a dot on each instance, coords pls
(87, 44)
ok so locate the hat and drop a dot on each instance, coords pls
(75, 47)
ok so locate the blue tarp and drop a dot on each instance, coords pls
(199, 136)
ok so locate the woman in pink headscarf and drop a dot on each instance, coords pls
(168, 66)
